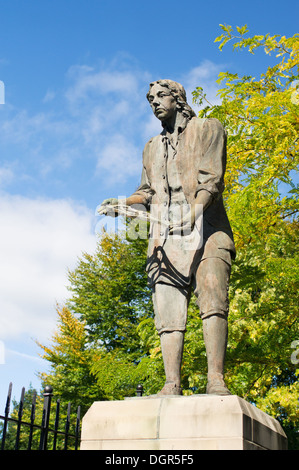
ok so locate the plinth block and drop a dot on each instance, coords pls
(197, 422)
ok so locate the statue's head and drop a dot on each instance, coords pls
(168, 94)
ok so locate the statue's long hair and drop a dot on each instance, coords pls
(179, 94)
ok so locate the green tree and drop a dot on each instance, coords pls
(102, 349)
(70, 356)
(261, 116)
(109, 290)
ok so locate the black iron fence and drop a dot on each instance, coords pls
(67, 440)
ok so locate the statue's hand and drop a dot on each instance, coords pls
(185, 226)
(107, 209)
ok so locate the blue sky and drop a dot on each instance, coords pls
(73, 126)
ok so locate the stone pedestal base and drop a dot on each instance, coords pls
(197, 422)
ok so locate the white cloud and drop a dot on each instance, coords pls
(151, 127)
(119, 159)
(6, 175)
(33, 129)
(101, 118)
(88, 80)
(28, 357)
(39, 240)
(49, 96)
(205, 76)
(112, 110)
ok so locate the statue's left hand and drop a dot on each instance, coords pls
(186, 224)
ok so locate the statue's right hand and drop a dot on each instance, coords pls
(106, 209)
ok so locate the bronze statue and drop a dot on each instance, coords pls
(182, 179)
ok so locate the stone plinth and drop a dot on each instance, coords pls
(197, 422)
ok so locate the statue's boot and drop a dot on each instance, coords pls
(215, 337)
(170, 388)
(217, 386)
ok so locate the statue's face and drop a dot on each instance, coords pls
(163, 104)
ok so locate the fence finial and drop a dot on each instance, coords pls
(48, 390)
